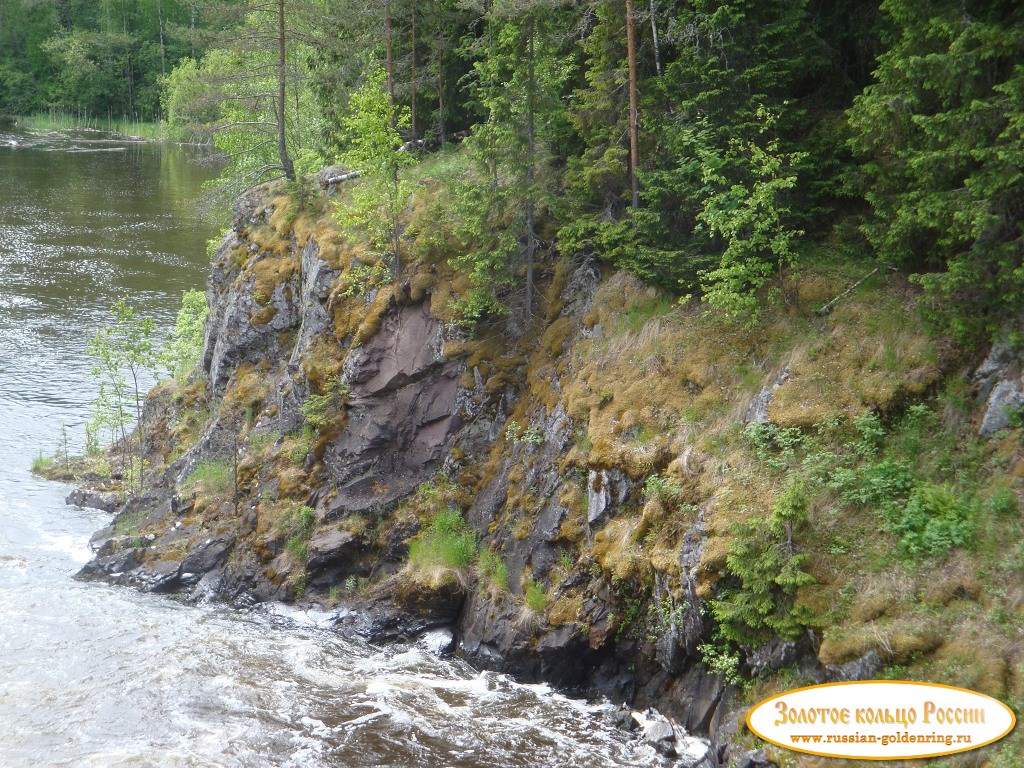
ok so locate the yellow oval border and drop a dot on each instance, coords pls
(1013, 720)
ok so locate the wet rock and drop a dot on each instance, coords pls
(106, 501)
(757, 413)
(207, 557)
(606, 488)
(754, 759)
(439, 642)
(402, 413)
(402, 609)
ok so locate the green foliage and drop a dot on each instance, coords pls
(212, 476)
(446, 545)
(297, 525)
(765, 569)
(932, 522)
(939, 136)
(751, 218)
(665, 488)
(301, 443)
(519, 434)
(372, 138)
(41, 463)
(493, 571)
(535, 596)
(182, 352)
(722, 660)
(124, 354)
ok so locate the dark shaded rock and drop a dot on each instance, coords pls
(402, 609)
(864, 668)
(402, 412)
(107, 501)
(205, 558)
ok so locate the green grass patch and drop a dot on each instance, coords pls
(132, 129)
(297, 525)
(212, 476)
(443, 549)
(535, 596)
(493, 571)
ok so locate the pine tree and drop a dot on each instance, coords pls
(941, 134)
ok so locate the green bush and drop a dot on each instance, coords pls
(298, 526)
(932, 522)
(765, 571)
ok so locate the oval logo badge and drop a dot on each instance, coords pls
(881, 720)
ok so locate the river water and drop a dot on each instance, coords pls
(93, 675)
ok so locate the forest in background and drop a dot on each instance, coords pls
(708, 147)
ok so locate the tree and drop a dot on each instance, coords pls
(371, 135)
(124, 355)
(182, 352)
(250, 95)
(752, 219)
(765, 571)
(519, 78)
(941, 134)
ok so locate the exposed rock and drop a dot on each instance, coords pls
(999, 382)
(402, 414)
(864, 668)
(757, 413)
(605, 489)
(439, 641)
(106, 501)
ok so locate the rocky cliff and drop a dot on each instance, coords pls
(602, 458)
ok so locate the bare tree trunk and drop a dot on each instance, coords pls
(634, 126)
(415, 133)
(654, 37)
(531, 235)
(160, 22)
(440, 95)
(282, 78)
(390, 59)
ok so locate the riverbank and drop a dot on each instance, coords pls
(594, 497)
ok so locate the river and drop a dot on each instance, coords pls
(93, 675)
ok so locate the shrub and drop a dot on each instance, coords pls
(766, 571)
(445, 546)
(932, 522)
(298, 526)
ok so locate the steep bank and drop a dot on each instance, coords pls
(611, 457)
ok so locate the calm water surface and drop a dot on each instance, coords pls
(92, 675)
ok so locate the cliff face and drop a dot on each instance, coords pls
(597, 458)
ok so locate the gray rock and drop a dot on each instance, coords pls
(864, 668)
(999, 382)
(757, 413)
(439, 642)
(107, 501)
(606, 488)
